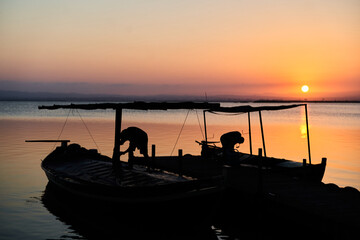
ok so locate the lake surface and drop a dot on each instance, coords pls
(334, 134)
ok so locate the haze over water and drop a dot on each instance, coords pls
(247, 48)
(334, 133)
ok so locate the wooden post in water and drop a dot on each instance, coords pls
(307, 133)
(116, 151)
(262, 133)
(180, 162)
(250, 142)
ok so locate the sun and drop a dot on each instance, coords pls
(305, 88)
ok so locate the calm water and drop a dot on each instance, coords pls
(334, 133)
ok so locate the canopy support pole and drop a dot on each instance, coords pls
(206, 139)
(307, 132)
(116, 152)
(250, 142)
(262, 133)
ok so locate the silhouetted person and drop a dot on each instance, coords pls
(137, 139)
(228, 141)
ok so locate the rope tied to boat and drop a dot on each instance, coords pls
(82, 120)
(202, 133)
(182, 127)
(88, 131)
(62, 129)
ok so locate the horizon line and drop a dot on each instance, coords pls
(62, 96)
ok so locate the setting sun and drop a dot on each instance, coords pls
(305, 88)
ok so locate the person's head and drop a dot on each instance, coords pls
(238, 138)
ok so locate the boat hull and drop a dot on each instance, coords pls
(94, 178)
(117, 195)
(210, 166)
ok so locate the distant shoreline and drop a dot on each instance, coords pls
(61, 97)
(173, 100)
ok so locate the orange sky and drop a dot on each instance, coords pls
(263, 48)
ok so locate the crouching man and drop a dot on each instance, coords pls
(228, 142)
(137, 139)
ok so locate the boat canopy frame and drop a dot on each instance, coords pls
(205, 106)
(137, 105)
(249, 109)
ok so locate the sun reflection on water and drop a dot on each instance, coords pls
(303, 131)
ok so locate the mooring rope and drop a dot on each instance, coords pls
(202, 133)
(180, 132)
(62, 129)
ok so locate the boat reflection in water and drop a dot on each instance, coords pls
(93, 220)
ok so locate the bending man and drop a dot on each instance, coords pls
(137, 139)
(228, 142)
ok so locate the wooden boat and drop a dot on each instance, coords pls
(204, 171)
(305, 170)
(87, 174)
(211, 161)
(179, 187)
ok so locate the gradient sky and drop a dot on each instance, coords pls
(238, 47)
